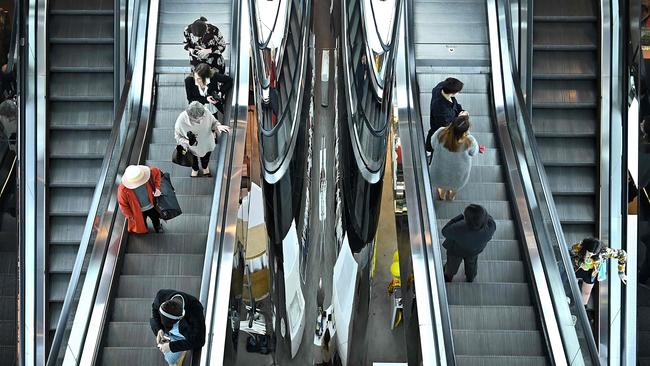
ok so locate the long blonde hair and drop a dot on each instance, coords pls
(455, 135)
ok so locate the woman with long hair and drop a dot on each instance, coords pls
(451, 162)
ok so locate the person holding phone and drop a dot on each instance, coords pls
(178, 323)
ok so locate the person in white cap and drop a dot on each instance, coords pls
(195, 131)
(140, 184)
(178, 323)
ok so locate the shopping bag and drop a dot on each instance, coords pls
(167, 204)
(182, 157)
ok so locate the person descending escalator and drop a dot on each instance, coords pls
(135, 195)
(444, 107)
(208, 87)
(195, 131)
(178, 323)
(466, 236)
(451, 161)
(205, 44)
(589, 259)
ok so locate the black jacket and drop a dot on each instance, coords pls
(442, 111)
(192, 325)
(218, 88)
(461, 241)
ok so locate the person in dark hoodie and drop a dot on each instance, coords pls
(179, 325)
(466, 236)
(444, 107)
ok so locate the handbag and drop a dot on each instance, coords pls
(167, 203)
(182, 157)
(602, 271)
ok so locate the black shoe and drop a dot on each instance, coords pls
(448, 278)
(159, 229)
(470, 280)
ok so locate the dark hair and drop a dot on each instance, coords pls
(173, 306)
(645, 125)
(475, 216)
(452, 86)
(454, 135)
(592, 245)
(199, 27)
(203, 70)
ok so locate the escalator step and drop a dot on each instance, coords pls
(177, 170)
(8, 286)
(70, 201)
(565, 123)
(61, 258)
(488, 294)
(506, 250)
(458, 33)
(147, 286)
(574, 181)
(57, 287)
(567, 8)
(500, 210)
(574, 233)
(7, 307)
(564, 65)
(567, 36)
(189, 243)
(452, 54)
(78, 144)
(462, 360)
(73, 173)
(493, 317)
(163, 264)
(94, 86)
(97, 58)
(472, 83)
(81, 29)
(81, 115)
(497, 343)
(66, 230)
(115, 356)
(131, 334)
(576, 209)
(131, 309)
(567, 152)
(494, 271)
(643, 337)
(483, 191)
(643, 318)
(564, 94)
(81, 5)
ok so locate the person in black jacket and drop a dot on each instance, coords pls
(207, 87)
(466, 236)
(444, 107)
(179, 325)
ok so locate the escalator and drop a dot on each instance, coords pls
(174, 259)
(565, 109)
(80, 105)
(496, 319)
(8, 252)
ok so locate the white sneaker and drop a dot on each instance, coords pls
(195, 173)
(206, 172)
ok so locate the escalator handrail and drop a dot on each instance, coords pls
(101, 227)
(12, 56)
(432, 305)
(377, 83)
(217, 269)
(518, 115)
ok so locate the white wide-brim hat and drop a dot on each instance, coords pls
(135, 175)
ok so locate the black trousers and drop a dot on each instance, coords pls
(204, 161)
(453, 263)
(153, 214)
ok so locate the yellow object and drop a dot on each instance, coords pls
(395, 256)
(394, 269)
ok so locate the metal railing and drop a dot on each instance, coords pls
(554, 259)
(436, 345)
(217, 268)
(101, 217)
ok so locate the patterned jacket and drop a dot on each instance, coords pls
(212, 39)
(593, 263)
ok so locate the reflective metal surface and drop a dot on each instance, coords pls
(427, 314)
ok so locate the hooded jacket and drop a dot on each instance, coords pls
(442, 111)
(192, 325)
(462, 241)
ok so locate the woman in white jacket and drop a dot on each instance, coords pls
(195, 132)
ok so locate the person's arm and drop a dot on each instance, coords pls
(449, 229)
(195, 337)
(155, 322)
(190, 89)
(225, 80)
(473, 146)
(459, 108)
(156, 175)
(187, 42)
(180, 137)
(618, 254)
(124, 203)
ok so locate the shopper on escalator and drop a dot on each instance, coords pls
(205, 44)
(444, 107)
(140, 184)
(196, 131)
(208, 87)
(466, 236)
(451, 162)
(590, 264)
(178, 323)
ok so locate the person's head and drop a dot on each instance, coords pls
(202, 72)
(452, 86)
(199, 27)
(195, 110)
(475, 216)
(172, 311)
(590, 247)
(455, 135)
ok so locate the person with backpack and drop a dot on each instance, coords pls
(178, 323)
(195, 131)
(135, 196)
(451, 161)
(466, 236)
(205, 44)
(589, 259)
(444, 107)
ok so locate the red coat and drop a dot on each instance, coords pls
(130, 206)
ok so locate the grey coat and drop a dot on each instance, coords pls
(450, 170)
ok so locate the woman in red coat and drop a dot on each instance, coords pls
(140, 184)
